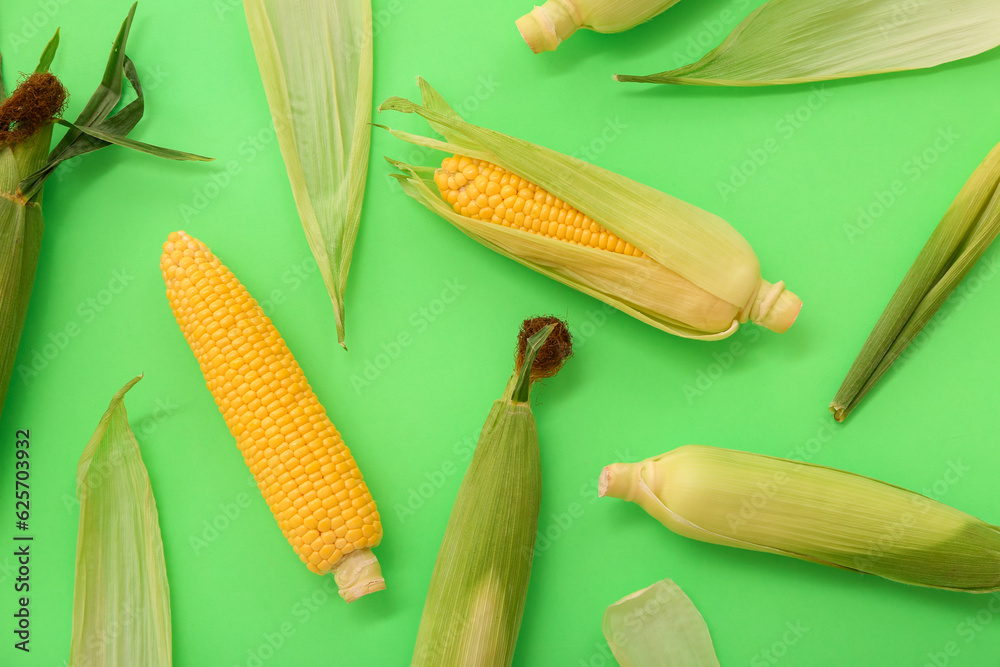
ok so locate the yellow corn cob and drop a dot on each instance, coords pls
(483, 191)
(302, 467)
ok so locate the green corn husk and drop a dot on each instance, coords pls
(811, 512)
(546, 26)
(793, 41)
(476, 597)
(700, 278)
(965, 232)
(658, 626)
(25, 163)
(121, 602)
(315, 60)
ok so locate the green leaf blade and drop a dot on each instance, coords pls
(796, 41)
(962, 236)
(315, 60)
(121, 602)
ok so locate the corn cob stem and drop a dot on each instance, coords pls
(302, 466)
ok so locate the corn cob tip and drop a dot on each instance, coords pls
(775, 307)
(358, 574)
(544, 28)
(558, 347)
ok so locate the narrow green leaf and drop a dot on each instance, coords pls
(967, 229)
(315, 60)
(114, 128)
(121, 602)
(658, 626)
(793, 41)
(48, 54)
(120, 140)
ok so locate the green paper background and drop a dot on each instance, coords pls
(824, 155)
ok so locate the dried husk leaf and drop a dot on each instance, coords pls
(794, 41)
(315, 60)
(121, 602)
(658, 626)
(811, 512)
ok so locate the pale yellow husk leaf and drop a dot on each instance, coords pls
(121, 603)
(315, 59)
(658, 626)
(793, 41)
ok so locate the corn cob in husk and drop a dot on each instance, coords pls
(811, 512)
(476, 597)
(693, 274)
(545, 27)
(26, 120)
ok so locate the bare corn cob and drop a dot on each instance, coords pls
(482, 190)
(302, 467)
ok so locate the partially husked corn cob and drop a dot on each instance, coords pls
(659, 259)
(482, 190)
(302, 466)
